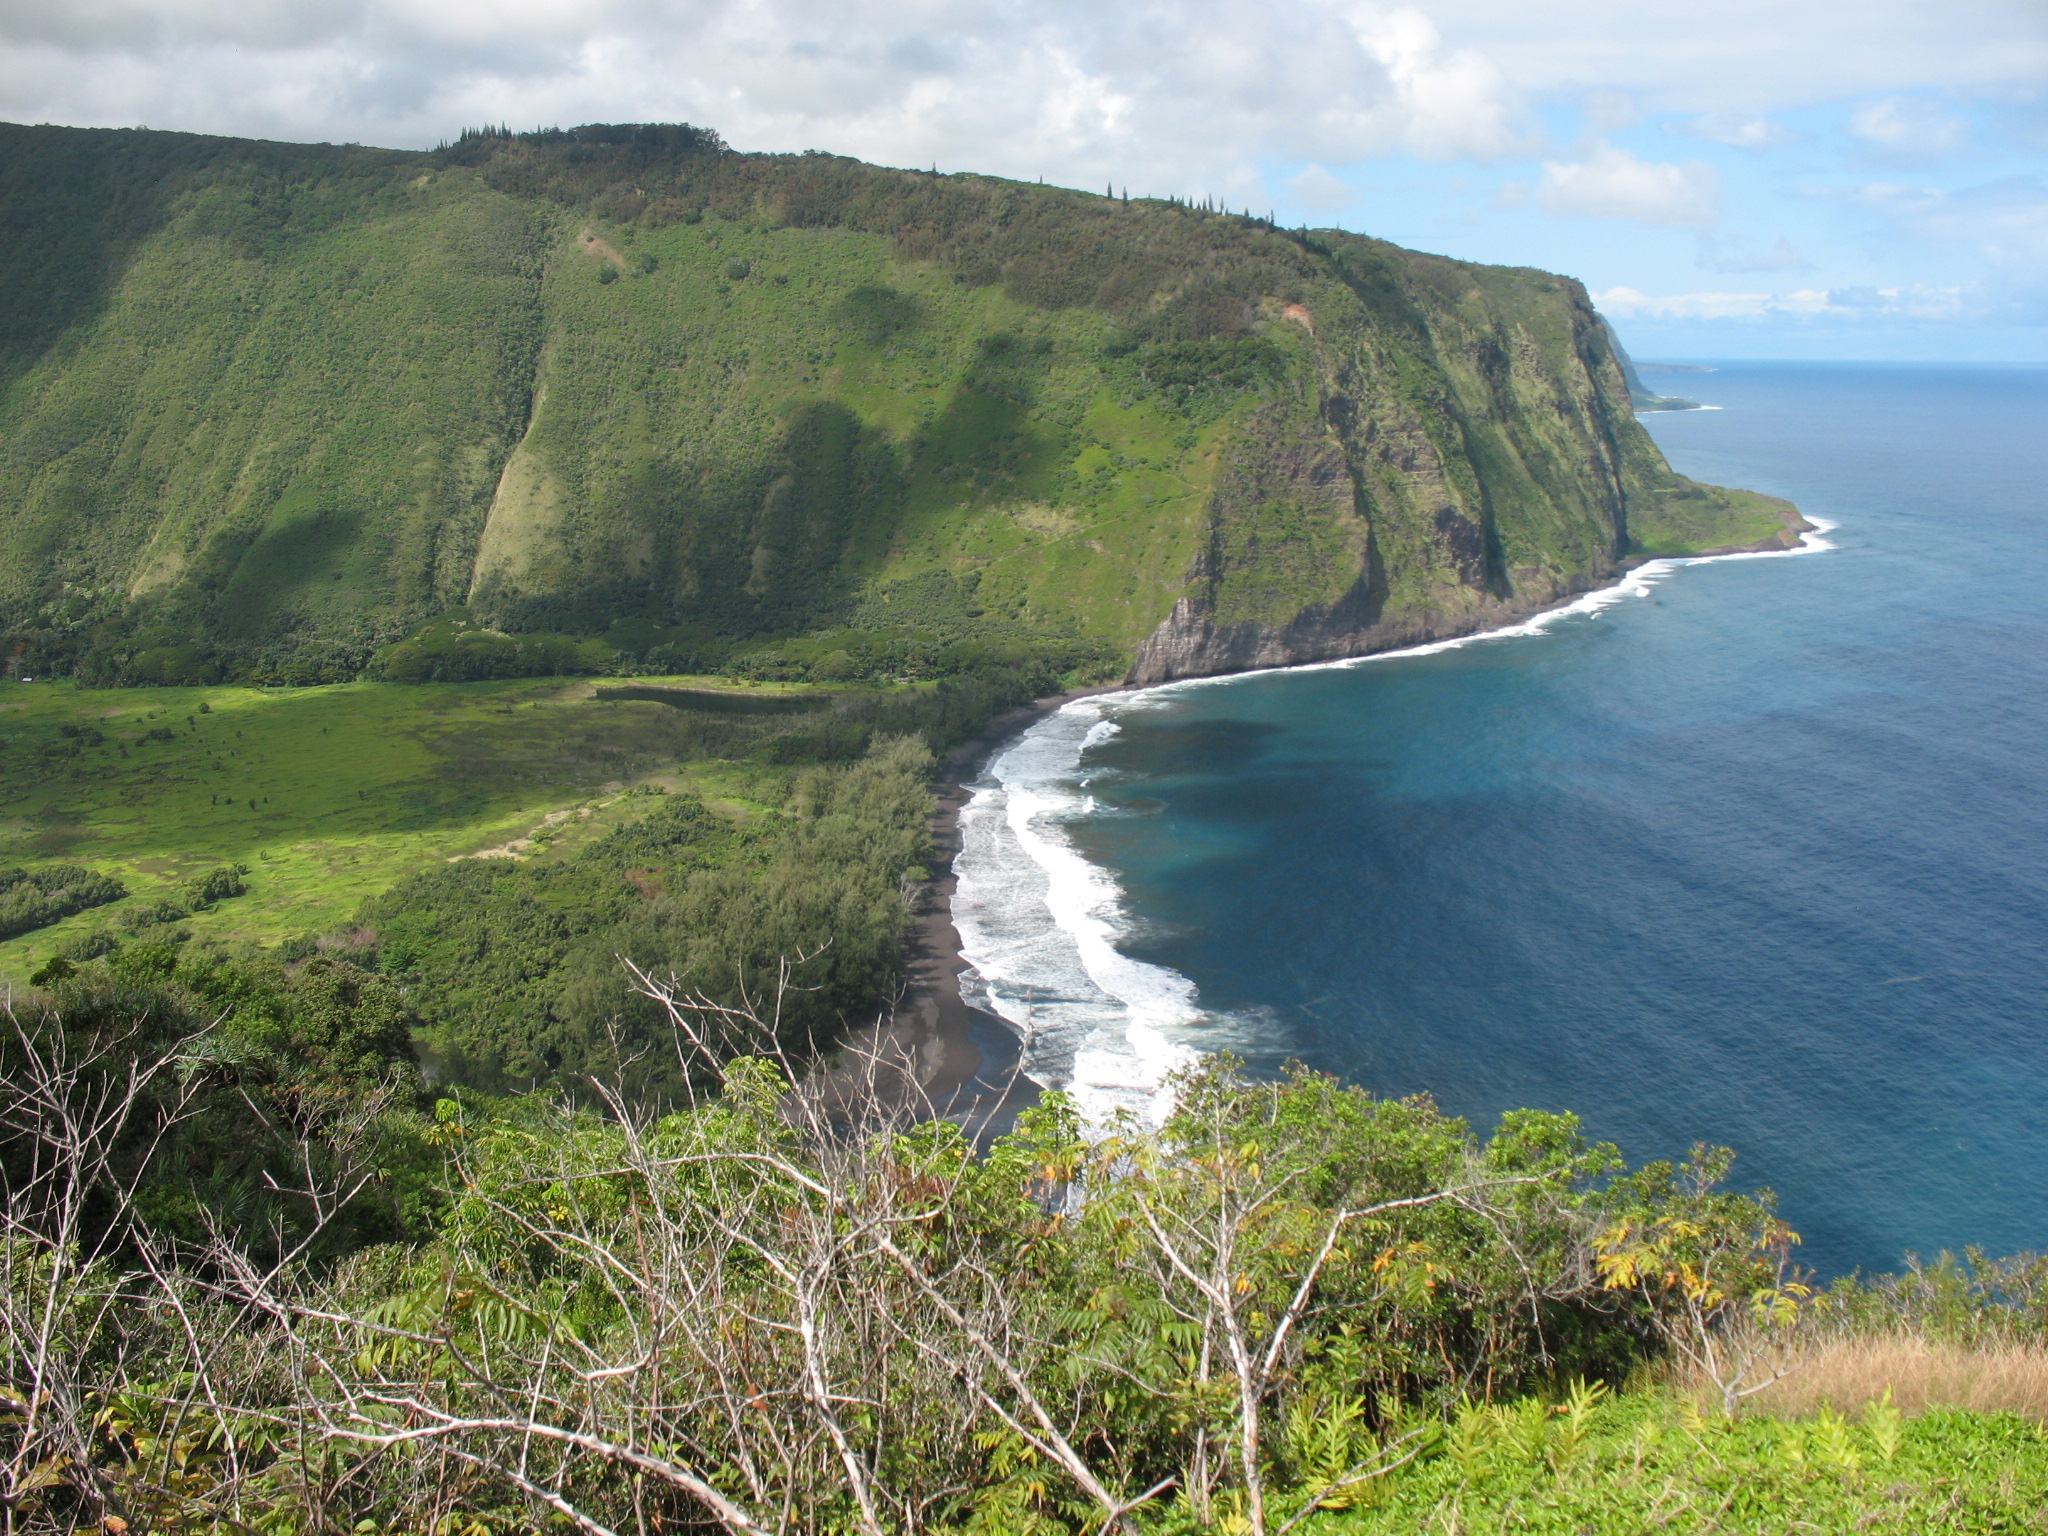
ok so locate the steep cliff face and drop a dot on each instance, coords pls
(1469, 456)
(264, 408)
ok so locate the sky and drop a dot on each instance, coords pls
(1731, 178)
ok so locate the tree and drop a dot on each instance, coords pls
(1716, 1269)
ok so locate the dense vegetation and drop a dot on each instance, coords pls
(556, 403)
(31, 899)
(448, 838)
(252, 1280)
(518, 964)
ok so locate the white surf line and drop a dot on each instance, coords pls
(1039, 924)
(1637, 583)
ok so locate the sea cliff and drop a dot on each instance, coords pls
(267, 409)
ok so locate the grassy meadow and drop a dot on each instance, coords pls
(1651, 1461)
(327, 794)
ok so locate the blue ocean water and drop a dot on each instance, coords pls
(1757, 853)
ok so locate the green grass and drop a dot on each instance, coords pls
(1645, 1463)
(355, 785)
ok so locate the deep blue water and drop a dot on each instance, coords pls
(1757, 858)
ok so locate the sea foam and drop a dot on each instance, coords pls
(1040, 925)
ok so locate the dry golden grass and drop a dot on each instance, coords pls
(1921, 1374)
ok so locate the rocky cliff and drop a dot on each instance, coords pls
(1377, 514)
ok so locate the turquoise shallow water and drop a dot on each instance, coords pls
(1756, 857)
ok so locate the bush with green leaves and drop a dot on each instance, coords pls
(455, 650)
(35, 898)
(216, 885)
(775, 1310)
(515, 963)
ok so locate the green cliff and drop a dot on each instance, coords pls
(266, 409)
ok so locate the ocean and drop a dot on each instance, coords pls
(1747, 851)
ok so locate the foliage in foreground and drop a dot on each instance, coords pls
(768, 1311)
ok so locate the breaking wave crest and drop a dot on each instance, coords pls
(1039, 926)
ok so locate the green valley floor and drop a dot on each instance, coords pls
(329, 795)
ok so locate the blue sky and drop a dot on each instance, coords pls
(1731, 178)
(1896, 224)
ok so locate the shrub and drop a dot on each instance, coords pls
(456, 650)
(217, 885)
(31, 899)
(88, 946)
(154, 914)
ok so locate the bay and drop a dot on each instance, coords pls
(1752, 854)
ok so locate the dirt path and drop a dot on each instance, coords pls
(520, 846)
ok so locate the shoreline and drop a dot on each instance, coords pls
(935, 1050)
(961, 1062)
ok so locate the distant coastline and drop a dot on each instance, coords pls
(1644, 400)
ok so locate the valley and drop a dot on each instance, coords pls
(328, 795)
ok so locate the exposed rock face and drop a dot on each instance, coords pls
(1194, 642)
(1190, 643)
(1384, 513)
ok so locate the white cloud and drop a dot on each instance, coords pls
(1450, 103)
(2007, 219)
(1908, 301)
(1317, 188)
(1608, 111)
(1188, 96)
(2002, 223)
(1736, 130)
(1782, 256)
(1632, 304)
(1909, 127)
(1611, 183)
(1752, 57)
(1188, 100)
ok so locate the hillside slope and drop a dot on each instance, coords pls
(265, 408)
